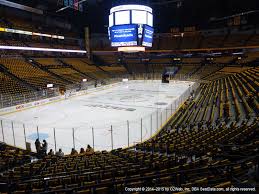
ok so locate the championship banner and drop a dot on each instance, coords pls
(80, 7)
(76, 4)
(65, 2)
(71, 3)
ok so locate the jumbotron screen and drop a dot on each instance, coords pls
(124, 35)
(131, 25)
(148, 33)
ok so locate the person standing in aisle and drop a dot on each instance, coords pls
(37, 145)
(44, 147)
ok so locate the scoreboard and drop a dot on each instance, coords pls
(147, 39)
(124, 35)
(131, 25)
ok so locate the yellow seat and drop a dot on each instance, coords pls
(88, 191)
(223, 185)
(102, 190)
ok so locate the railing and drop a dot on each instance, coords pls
(13, 100)
(101, 136)
(16, 99)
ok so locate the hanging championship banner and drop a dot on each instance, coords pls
(65, 2)
(71, 3)
(76, 4)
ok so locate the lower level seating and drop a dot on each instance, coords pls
(11, 157)
(211, 141)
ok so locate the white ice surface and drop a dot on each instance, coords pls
(99, 110)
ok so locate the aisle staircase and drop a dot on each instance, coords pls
(75, 69)
(38, 65)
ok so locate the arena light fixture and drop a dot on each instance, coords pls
(238, 53)
(49, 85)
(41, 49)
(217, 53)
(132, 49)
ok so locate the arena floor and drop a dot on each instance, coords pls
(94, 114)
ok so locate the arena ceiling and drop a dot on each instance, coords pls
(167, 13)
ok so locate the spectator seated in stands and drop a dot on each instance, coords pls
(89, 150)
(51, 152)
(74, 152)
(82, 151)
(2, 146)
(60, 153)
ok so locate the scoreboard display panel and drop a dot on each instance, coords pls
(131, 26)
(147, 38)
(124, 35)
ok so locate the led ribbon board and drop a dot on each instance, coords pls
(124, 35)
(10, 30)
(148, 33)
(41, 49)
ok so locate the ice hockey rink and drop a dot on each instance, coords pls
(122, 115)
